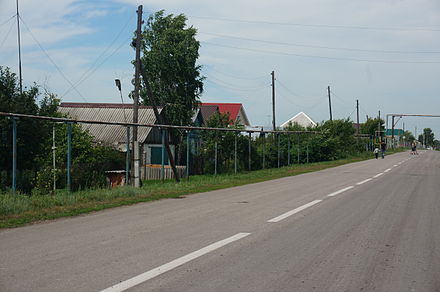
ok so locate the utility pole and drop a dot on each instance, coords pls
(392, 131)
(19, 50)
(378, 129)
(273, 101)
(135, 164)
(329, 103)
(357, 116)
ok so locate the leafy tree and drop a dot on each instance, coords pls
(170, 52)
(427, 138)
(407, 137)
(370, 127)
(34, 143)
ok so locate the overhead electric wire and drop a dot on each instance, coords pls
(7, 35)
(322, 47)
(9, 19)
(321, 57)
(95, 64)
(217, 83)
(50, 59)
(235, 86)
(329, 26)
(238, 77)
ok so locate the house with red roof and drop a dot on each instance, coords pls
(236, 111)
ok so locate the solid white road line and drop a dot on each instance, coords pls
(364, 181)
(386, 170)
(173, 264)
(377, 175)
(294, 211)
(340, 191)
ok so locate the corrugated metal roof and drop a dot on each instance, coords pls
(109, 112)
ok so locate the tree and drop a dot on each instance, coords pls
(427, 138)
(170, 52)
(371, 126)
(407, 137)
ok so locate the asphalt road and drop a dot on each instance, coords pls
(367, 226)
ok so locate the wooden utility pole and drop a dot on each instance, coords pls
(357, 116)
(329, 103)
(273, 101)
(135, 172)
(19, 50)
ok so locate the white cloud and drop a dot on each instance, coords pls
(378, 86)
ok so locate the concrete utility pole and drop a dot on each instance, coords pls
(19, 50)
(357, 116)
(378, 129)
(273, 101)
(329, 103)
(136, 182)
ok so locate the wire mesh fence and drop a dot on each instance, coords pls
(70, 157)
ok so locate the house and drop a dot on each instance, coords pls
(203, 114)
(236, 111)
(301, 119)
(115, 136)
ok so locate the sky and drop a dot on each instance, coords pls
(386, 54)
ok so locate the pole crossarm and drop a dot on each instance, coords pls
(413, 115)
(67, 120)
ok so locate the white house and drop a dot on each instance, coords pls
(301, 119)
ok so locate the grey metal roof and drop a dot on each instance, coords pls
(110, 112)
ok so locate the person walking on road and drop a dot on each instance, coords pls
(376, 152)
(383, 147)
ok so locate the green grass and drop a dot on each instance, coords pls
(17, 210)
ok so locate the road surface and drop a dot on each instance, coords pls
(367, 226)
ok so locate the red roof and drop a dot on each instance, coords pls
(231, 108)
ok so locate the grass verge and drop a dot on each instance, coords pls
(17, 210)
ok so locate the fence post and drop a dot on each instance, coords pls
(215, 158)
(127, 157)
(278, 148)
(69, 154)
(187, 153)
(162, 172)
(14, 155)
(264, 149)
(307, 152)
(250, 159)
(288, 149)
(235, 154)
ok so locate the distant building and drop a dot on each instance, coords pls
(236, 111)
(116, 136)
(301, 119)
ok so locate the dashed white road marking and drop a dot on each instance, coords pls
(386, 170)
(340, 191)
(395, 165)
(377, 175)
(364, 181)
(122, 286)
(294, 211)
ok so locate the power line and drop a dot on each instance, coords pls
(226, 86)
(50, 59)
(238, 77)
(237, 87)
(7, 35)
(327, 26)
(95, 64)
(321, 57)
(322, 47)
(9, 19)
